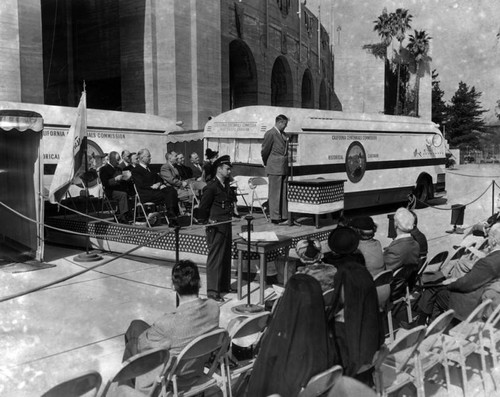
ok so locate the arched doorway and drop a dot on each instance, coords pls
(307, 90)
(323, 98)
(242, 75)
(281, 83)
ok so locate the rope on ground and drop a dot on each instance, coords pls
(104, 236)
(461, 205)
(474, 176)
(62, 279)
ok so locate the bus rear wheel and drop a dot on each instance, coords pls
(423, 192)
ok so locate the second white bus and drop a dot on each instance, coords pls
(382, 158)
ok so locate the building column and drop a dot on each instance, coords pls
(21, 65)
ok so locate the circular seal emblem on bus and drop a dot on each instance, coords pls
(355, 163)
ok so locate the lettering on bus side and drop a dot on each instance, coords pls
(354, 137)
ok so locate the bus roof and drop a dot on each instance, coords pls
(254, 121)
(64, 116)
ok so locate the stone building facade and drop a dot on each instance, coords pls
(182, 59)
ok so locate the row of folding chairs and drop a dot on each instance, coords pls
(211, 351)
(401, 288)
(415, 352)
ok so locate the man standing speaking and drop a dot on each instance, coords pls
(275, 157)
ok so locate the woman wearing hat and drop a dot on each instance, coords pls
(310, 255)
(354, 315)
(208, 166)
(368, 245)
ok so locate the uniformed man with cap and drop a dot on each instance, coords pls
(217, 204)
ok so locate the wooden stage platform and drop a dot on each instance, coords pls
(119, 238)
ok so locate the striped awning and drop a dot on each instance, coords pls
(20, 120)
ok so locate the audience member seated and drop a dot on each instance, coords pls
(463, 294)
(151, 187)
(295, 346)
(368, 245)
(354, 315)
(309, 252)
(134, 161)
(185, 172)
(126, 160)
(196, 167)
(208, 167)
(419, 237)
(171, 177)
(481, 228)
(403, 250)
(116, 184)
(346, 247)
(456, 268)
(174, 330)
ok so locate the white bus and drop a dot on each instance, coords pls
(106, 131)
(382, 158)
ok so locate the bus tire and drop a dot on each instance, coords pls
(423, 192)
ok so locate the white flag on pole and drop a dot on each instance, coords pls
(71, 164)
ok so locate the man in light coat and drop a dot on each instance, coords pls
(275, 157)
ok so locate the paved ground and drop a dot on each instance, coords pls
(53, 334)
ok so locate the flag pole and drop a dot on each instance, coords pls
(87, 256)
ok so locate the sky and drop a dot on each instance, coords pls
(464, 44)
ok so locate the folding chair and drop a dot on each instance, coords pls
(142, 206)
(141, 364)
(491, 334)
(186, 374)
(328, 298)
(350, 387)
(402, 284)
(465, 339)
(195, 187)
(383, 282)
(322, 382)
(253, 183)
(77, 386)
(245, 332)
(107, 204)
(432, 265)
(432, 349)
(394, 366)
(239, 192)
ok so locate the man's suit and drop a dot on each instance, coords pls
(275, 157)
(464, 294)
(184, 171)
(144, 179)
(197, 171)
(401, 251)
(216, 206)
(171, 177)
(174, 330)
(115, 190)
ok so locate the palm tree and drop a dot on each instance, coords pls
(384, 28)
(400, 21)
(418, 47)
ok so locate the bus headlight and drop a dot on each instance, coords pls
(437, 140)
(434, 140)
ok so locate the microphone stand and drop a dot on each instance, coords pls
(248, 307)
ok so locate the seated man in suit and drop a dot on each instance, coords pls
(174, 330)
(185, 172)
(170, 176)
(403, 250)
(196, 167)
(116, 184)
(464, 294)
(151, 187)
